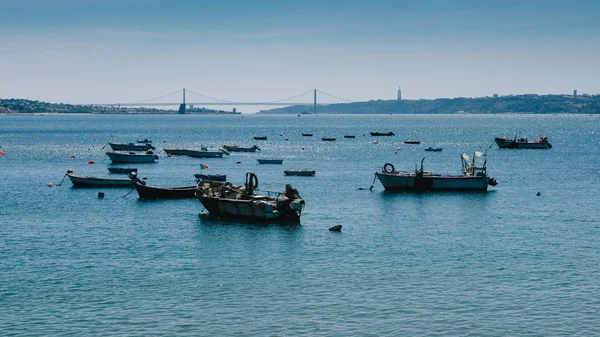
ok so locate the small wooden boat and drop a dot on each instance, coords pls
(522, 143)
(412, 142)
(130, 147)
(211, 177)
(473, 178)
(299, 172)
(85, 181)
(202, 153)
(226, 199)
(307, 134)
(270, 161)
(146, 192)
(121, 170)
(349, 136)
(122, 157)
(328, 139)
(434, 149)
(235, 148)
(382, 133)
(260, 138)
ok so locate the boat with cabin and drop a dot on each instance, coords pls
(474, 177)
(226, 199)
(235, 148)
(523, 143)
(132, 157)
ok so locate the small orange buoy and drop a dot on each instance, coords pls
(73, 155)
(374, 142)
(91, 162)
(397, 149)
(1, 153)
(50, 185)
(70, 171)
(169, 155)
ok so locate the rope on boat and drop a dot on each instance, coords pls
(128, 193)
(373, 183)
(63, 179)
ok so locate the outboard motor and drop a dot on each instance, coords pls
(492, 182)
(133, 176)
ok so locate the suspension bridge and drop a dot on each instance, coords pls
(211, 101)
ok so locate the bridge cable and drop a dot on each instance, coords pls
(151, 99)
(285, 99)
(214, 99)
(341, 99)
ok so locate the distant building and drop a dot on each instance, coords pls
(399, 94)
(575, 93)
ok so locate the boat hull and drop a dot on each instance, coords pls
(515, 144)
(117, 158)
(194, 153)
(240, 149)
(129, 147)
(388, 134)
(84, 181)
(299, 172)
(410, 182)
(270, 161)
(153, 193)
(252, 209)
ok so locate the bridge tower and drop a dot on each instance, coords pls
(182, 106)
(315, 102)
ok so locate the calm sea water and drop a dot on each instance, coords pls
(505, 262)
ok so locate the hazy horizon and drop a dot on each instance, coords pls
(92, 52)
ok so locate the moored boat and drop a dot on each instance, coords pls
(85, 181)
(202, 153)
(270, 161)
(226, 199)
(235, 148)
(260, 138)
(434, 149)
(523, 143)
(146, 192)
(131, 147)
(412, 142)
(211, 177)
(299, 172)
(382, 133)
(328, 139)
(307, 134)
(121, 170)
(349, 136)
(122, 157)
(474, 178)
(145, 141)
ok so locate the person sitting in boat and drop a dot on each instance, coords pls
(291, 193)
(285, 204)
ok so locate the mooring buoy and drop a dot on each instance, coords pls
(100, 194)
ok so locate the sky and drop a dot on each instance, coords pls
(105, 51)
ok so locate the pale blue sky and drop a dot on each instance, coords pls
(83, 51)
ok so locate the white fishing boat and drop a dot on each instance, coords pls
(473, 177)
(131, 147)
(123, 157)
(85, 181)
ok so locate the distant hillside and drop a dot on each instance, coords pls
(534, 104)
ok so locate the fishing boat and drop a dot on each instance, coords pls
(202, 153)
(412, 142)
(235, 148)
(270, 161)
(522, 143)
(382, 133)
(226, 199)
(473, 178)
(260, 138)
(146, 192)
(349, 136)
(145, 141)
(299, 172)
(131, 157)
(307, 134)
(434, 149)
(211, 177)
(121, 170)
(85, 181)
(327, 139)
(130, 147)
